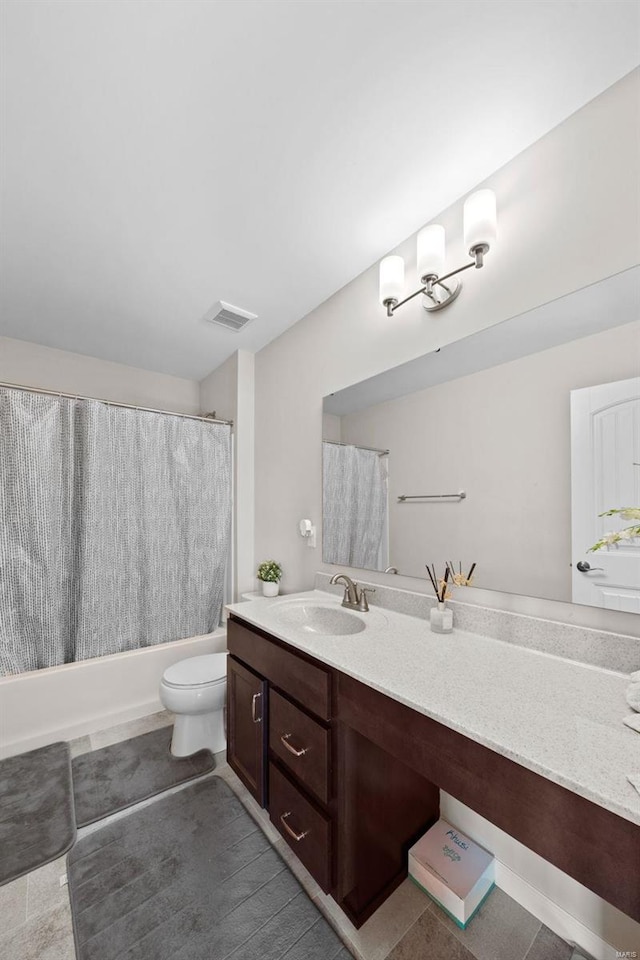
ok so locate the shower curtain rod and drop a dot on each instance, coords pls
(338, 443)
(113, 403)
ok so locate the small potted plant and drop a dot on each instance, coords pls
(270, 574)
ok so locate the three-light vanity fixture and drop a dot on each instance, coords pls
(479, 234)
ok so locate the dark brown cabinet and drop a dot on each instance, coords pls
(297, 748)
(247, 727)
(303, 824)
(345, 809)
(301, 745)
(351, 778)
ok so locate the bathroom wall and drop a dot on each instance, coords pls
(568, 216)
(331, 427)
(491, 432)
(229, 390)
(37, 366)
(219, 391)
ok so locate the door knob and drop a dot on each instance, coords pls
(585, 567)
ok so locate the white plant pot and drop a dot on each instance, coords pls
(270, 589)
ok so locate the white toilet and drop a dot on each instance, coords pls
(194, 690)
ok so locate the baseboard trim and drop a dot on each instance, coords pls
(553, 915)
(83, 728)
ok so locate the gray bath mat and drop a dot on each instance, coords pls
(36, 809)
(125, 773)
(191, 877)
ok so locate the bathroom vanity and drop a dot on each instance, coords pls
(347, 739)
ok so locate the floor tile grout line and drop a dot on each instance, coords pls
(28, 877)
(308, 880)
(335, 925)
(456, 931)
(535, 937)
(402, 935)
(346, 937)
(26, 911)
(260, 822)
(37, 917)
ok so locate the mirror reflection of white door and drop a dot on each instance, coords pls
(605, 474)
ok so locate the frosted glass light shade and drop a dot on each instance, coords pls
(391, 278)
(430, 252)
(480, 219)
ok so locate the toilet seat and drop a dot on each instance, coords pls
(205, 671)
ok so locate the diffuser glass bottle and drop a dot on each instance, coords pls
(441, 618)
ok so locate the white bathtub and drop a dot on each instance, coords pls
(60, 703)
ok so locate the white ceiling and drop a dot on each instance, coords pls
(160, 156)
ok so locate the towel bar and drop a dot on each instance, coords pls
(434, 496)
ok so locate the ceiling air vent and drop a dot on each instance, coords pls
(226, 315)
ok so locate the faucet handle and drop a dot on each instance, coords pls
(363, 603)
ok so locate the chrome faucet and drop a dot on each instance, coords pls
(355, 597)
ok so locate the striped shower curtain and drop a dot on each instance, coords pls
(354, 506)
(114, 528)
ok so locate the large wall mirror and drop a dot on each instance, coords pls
(501, 449)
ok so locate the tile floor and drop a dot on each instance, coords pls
(36, 917)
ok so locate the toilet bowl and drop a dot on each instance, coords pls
(194, 690)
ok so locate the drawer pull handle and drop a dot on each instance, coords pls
(284, 739)
(296, 836)
(254, 714)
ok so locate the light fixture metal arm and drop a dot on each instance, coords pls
(467, 266)
(477, 262)
(391, 306)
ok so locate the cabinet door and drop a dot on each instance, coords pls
(246, 727)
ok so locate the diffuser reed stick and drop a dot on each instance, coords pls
(451, 577)
(443, 592)
(433, 582)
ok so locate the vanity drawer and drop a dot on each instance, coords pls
(305, 828)
(310, 685)
(301, 744)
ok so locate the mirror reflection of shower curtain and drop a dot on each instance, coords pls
(114, 528)
(354, 509)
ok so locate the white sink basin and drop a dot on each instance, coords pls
(313, 617)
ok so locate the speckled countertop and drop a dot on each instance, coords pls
(559, 718)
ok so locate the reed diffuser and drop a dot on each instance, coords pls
(441, 616)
